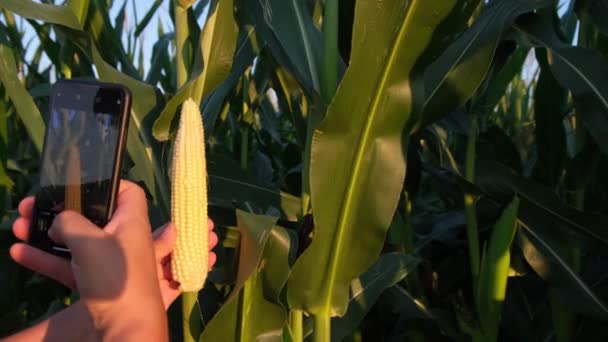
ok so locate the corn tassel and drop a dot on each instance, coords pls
(189, 201)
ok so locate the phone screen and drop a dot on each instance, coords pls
(79, 157)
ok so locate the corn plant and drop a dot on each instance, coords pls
(376, 170)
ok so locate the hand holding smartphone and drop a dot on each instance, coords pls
(82, 156)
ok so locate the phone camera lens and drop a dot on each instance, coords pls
(118, 102)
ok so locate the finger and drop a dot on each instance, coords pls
(125, 184)
(26, 207)
(156, 233)
(44, 263)
(21, 228)
(210, 224)
(169, 290)
(164, 242)
(131, 201)
(166, 269)
(77, 233)
(213, 240)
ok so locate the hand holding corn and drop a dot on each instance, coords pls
(76, 319)
(189, 201)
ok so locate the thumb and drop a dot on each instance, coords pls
(76, 232)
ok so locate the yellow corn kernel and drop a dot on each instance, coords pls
(189, 201)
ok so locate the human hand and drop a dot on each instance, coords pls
(112, 273)
(60, 270)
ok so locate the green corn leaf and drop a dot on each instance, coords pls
(597, 11)
(547, 223)
(595, 118)
(550, 103)
(119, 21)
(108, 40)
(15, 35)
(60, 15)
(249, 315)
(216, 47)
(141, 26)
(354, 148)
(498, 85)
(455, 76)
(200, 6)
(230, 186)
(213, 104)
(160, 54)
(494, 273)
(51, 47)
(569, 21)
(500, 182)
(581, 169)
(5, 180)
(454, 25)
(387, 271)
(99, 24)
(581, 70)
(411, 309)
(287, 28)
(80, 9)
(543, 251)
(26, 108)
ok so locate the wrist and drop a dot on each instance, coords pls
(129, 322)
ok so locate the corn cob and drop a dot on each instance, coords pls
(189, 200)
(72, 200)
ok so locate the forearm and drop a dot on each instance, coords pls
(74, 324)
(70, 324)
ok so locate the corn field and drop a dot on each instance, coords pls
(395, 170)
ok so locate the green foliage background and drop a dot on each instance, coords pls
(378, 170)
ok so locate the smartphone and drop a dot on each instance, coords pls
(82, 156)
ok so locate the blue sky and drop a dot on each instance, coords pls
(134, 9)
(138, 9)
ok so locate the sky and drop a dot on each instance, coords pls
(134, 9)
(138, 9)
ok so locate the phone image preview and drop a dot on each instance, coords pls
(80, 158)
